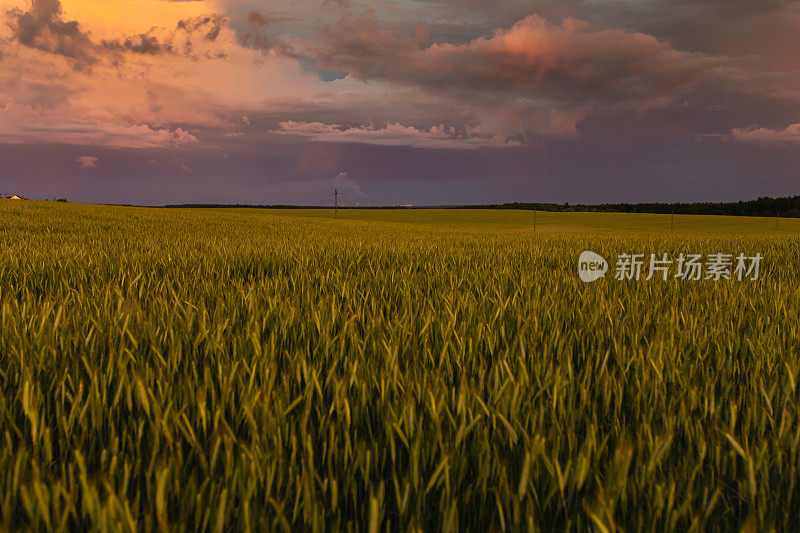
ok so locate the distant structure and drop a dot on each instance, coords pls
(17, 197)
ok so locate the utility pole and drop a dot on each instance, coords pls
(335, 203)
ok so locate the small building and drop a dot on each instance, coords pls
(17, 197)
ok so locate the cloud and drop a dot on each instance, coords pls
(42, 28)
(140, 44)
(86, 161)
(767, 136)
(255, 35)
(24, 124)
(531, 80)
(155, 89)
(360, 46)
(190, 37)
(766, 29)
(209, 26)
(570, 64)
(391, 135)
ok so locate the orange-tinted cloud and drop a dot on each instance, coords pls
(767, 136)
(394, 135)
(156, 89)
(569, 63)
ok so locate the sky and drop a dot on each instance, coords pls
(391, 102)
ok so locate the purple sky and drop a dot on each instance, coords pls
(397, 101)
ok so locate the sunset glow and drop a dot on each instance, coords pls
(110, 18)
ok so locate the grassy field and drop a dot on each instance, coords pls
(558, 222)
(263, 370)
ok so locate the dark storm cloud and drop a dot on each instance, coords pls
(140, 44)
(207, 26)
(255, 33)
(41, 27)
(188, 31)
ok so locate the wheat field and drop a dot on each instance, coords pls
(257, 370)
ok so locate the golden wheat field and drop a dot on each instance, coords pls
(258, 370)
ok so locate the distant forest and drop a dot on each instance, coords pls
(788, 207)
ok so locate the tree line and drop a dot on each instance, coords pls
(788, 207)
